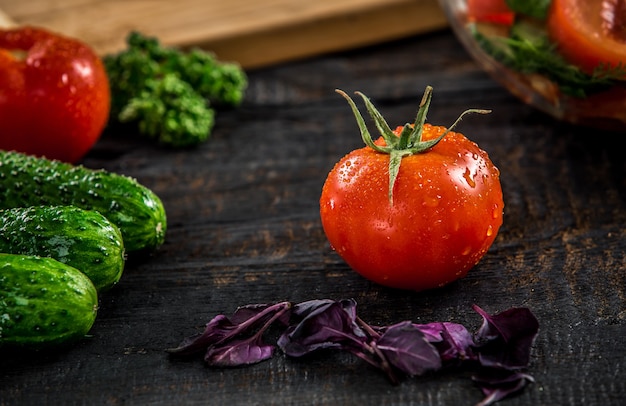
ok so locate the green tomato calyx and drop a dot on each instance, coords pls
(409, 141)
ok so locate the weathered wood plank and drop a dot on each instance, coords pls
(253, 33)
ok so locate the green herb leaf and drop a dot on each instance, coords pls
(531, 8)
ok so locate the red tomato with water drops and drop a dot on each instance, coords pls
(417, 209)
(54, 94)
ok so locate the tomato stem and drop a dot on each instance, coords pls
(408, 142)
(380, 122)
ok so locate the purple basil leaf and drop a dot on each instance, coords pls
(245, 313)
(323, 324)
(505, 339)
(452, 340)
(216, 330)
(239, 352)
(406, 348)
(221, 329)
(496, 384)
(432, 331)
(254, 313)
(311, 307)
(305, 308)
(509, 324)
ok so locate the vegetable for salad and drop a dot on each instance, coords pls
(54, 94)
(171, 95)
(499, 349)
(591, 34)
(415, 209)
(82, 239)
(136, 210)
(43, 302)
(169, 110)
(568, 41)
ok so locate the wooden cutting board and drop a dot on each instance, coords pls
(254, 33)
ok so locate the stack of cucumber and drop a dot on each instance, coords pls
(65, 231)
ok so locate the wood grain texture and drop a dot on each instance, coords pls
(244, 228)
(253, 33)
(6, 21)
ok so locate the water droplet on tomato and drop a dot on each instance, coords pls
(496, 211)
(467, 250)
(380, 225)
(489, 231)
(468, 178)
(432, 201)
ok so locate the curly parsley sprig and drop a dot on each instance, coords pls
(171, 95)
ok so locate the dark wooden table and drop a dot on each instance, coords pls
(244, 228)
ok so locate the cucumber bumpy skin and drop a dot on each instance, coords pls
(43, 302)
(82, 239)
(32, 181)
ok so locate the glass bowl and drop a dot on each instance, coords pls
(603, 110)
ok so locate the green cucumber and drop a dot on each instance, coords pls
(43, 302)
(82, 239)
(137, 211)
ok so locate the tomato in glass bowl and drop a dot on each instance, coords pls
(564, 57)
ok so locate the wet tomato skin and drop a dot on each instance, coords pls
(446, 212)
(54, 94)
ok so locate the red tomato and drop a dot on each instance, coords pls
(589, 32)
(54, 94)
(446, 211)
(490, 11)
